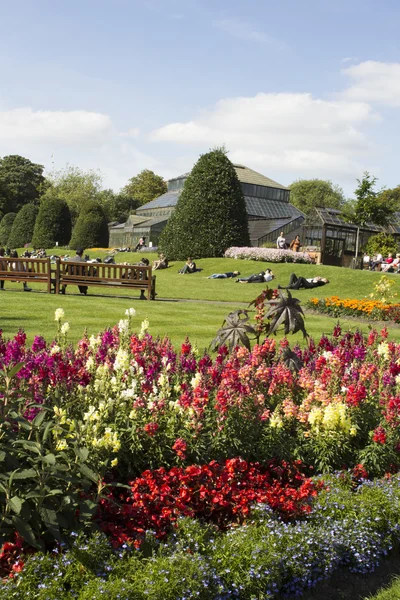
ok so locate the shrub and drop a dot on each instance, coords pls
(91, 229)
(5, 228)
(53, 224)
(381, 243)
(210, 214)
(23, 226)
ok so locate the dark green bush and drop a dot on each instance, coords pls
(53, 224)
(5, 228)
(210, 215)
(23, 226)
(382, 243)
(91, 229)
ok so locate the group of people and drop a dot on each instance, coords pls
(295, 283)
(294, 245)
(15, 266)
(386, 265)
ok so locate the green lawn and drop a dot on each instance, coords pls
(210, 301)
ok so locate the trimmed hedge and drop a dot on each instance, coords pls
(210, 215)
(53, 224)
(23, 226)
(5, 228)
(91, 229)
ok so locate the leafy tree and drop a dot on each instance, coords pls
(23, 226)
(74, 186)
(306, 194)
(21, 182)
(370, 205)
(381, 243)
(145, 187)
(5, 227)
(53, 224)
(117, 207)
(210, 215)
(91, 229)
(391, 197)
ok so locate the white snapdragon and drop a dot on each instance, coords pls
(94, 341)
(121, 362)
(130, 312)
(195, 380)
(65, 328)
(144, 328)
(123, 326)
(59, 314)
(55, 349)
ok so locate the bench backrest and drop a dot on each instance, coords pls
(71, 270)
(33, 270)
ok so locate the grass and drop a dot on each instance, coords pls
(390, 593)
(209, 301)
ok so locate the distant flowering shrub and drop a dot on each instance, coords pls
(268, 255)
(375, 310)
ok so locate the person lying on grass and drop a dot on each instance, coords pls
(297, 283)
(263, 277)
(227, 275)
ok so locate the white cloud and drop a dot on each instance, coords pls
(294, 133)
(86, 139)
(246, 31)
(25, 124)
(374, 81)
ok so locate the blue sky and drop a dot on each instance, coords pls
(294, 89)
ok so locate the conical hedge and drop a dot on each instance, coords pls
(210, 215)
(6, 224)
(91, 228)
(53, 224)
(23, 226)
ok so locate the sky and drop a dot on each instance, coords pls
(295, 89)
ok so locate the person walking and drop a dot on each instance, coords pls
(295, 244)
(281, 242)
(17, 266)
(78, 258)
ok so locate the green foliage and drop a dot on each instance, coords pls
(23, 226)
(382, 243)
(235, 330)
(21, 182)
(91, 230)
(391, 196)
(5, 227)
(370, 206)
(53, 224)
(75, 187)
(306, 194)
(43, 491)
(117, 207)
(145, 187)
(286, 313)
(210, 215)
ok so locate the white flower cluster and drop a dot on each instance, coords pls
(59, 315)
(268, 255)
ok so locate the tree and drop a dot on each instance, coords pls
(21, 182)
(210, 215)
(116, 207)
(370, 206)
(145, 187)
(391, 196)
(53, 224)
(91, 229)
(5, 227)
(23, 226)
(306, 194)
(381, 243)
(74, 186)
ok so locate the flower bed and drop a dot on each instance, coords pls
(268, 255)
(352, 527)
(372, 309)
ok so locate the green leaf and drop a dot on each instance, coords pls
(82, 453)
(2, 455)
(26, 532)
(25, 474)
(12, 372)
(89, 474)
(38, 420)
(15, 504)
(50, 459)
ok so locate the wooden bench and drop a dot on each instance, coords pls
(27, 270)
(84, 274)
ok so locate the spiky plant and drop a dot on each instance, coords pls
(286, 312)
(235, 331)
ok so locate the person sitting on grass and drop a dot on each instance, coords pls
(227, 275)
(297, 283)
(161, 263)
(263, 277)
(190, 267)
